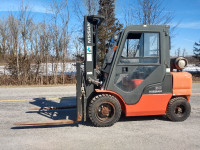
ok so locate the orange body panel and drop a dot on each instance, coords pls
(148, 105)
(154, 104)
(182, 83)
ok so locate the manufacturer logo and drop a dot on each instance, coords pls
(89, 49)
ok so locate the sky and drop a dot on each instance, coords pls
(188, 31)
(186, 13)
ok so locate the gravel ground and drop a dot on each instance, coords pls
(153, 132)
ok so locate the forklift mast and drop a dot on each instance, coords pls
(90, 26)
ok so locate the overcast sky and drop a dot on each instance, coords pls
(186, 12)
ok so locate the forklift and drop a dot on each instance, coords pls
(138, 78)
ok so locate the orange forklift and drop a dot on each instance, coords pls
(138, 78)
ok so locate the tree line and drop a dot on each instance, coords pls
(27, 47)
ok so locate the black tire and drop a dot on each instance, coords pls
(178, 109)
(104, 110)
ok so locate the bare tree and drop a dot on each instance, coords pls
(25, 27)
(25, 20)
(91, 6)
(178, 52)
(55, 9)
(45, 37)
(13, 46)
(184, 52)
(128, 12)
(77, 9)
(152, 12)
(3, 37)
(32, 28)
(85, 7)
(59, 8)
(66, 34)
(37, 61)
(78, 49)
(28, 47)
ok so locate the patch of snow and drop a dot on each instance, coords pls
(192, 69)
(70, 69)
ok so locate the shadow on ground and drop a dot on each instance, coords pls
(55, 114)
(143, 118)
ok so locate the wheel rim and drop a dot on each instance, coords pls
(105, 111)
(179, 110)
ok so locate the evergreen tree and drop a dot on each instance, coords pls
(108, 27)
(197, 50)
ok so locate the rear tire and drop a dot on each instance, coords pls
(104, 110)
(178, 109)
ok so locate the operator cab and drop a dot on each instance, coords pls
(139, 63)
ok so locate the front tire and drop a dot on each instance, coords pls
(178, 109)
(104, 110)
